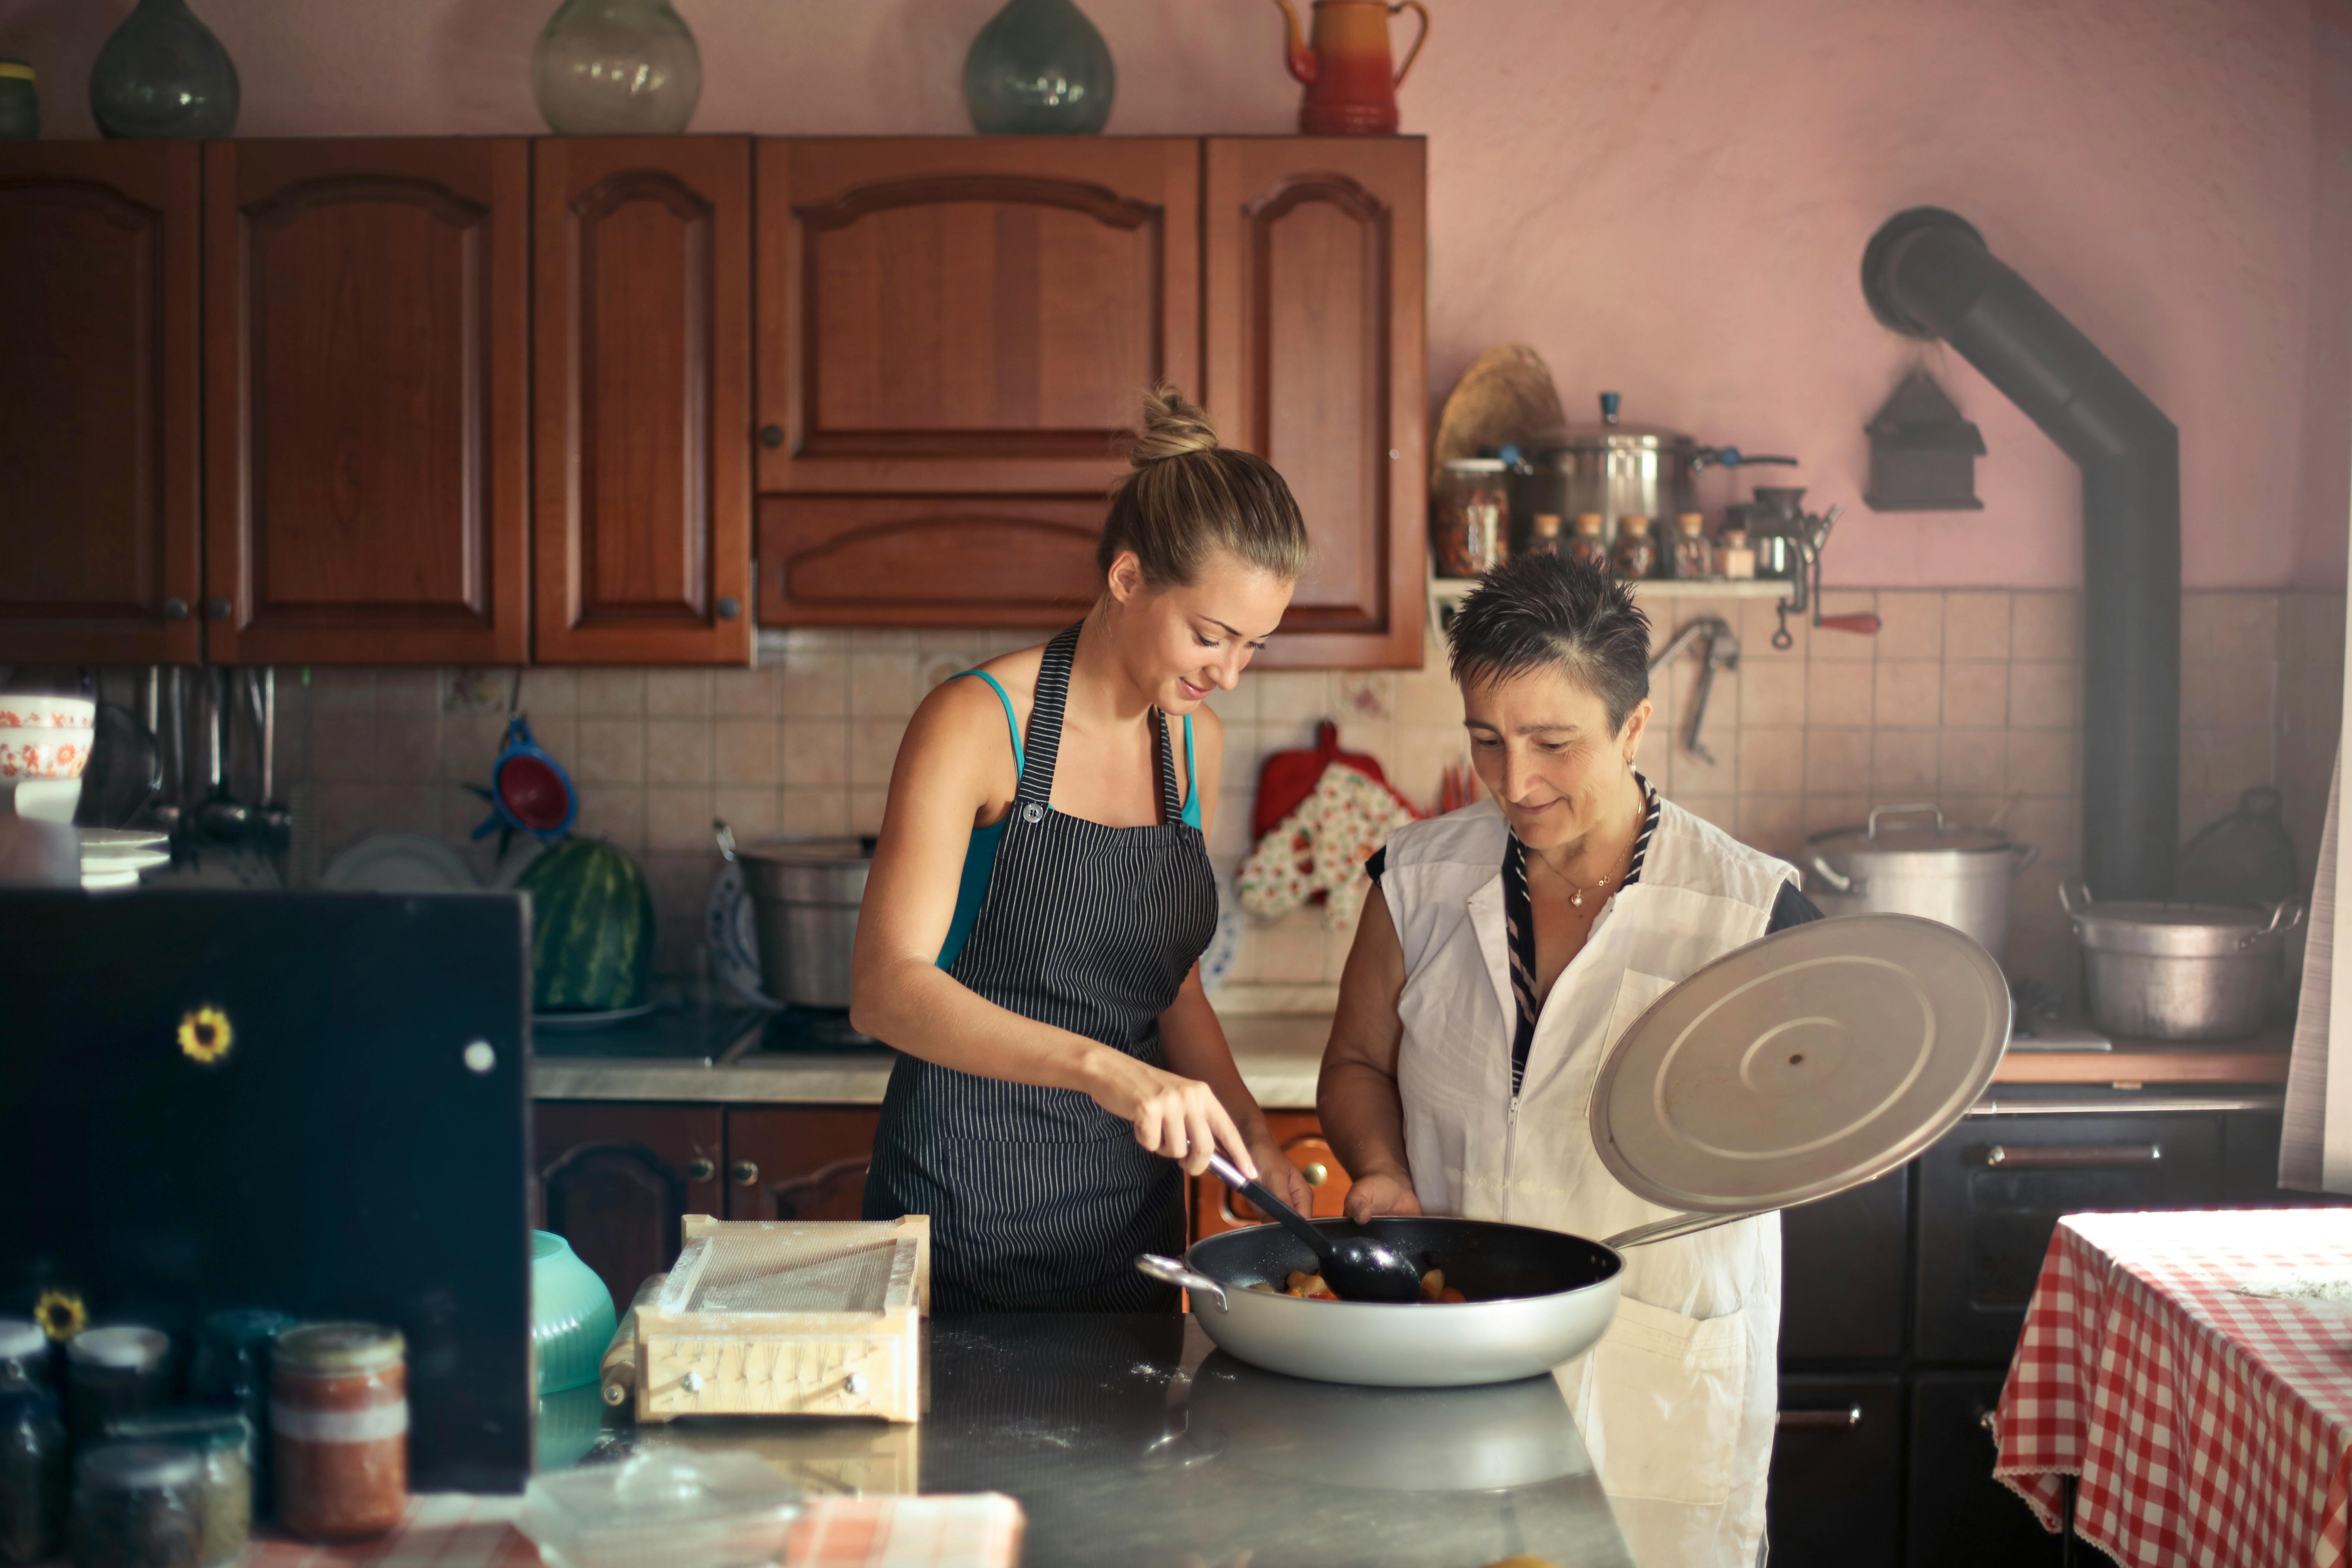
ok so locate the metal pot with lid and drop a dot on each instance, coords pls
(1908, 860)
(804, 896)
(1623, 470)
(2178, 972)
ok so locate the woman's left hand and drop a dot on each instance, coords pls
(1278, 1175)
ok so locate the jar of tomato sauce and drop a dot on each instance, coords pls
(339, 1430)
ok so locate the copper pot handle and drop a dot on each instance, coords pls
(1413, 52)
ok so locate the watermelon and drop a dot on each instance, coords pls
(592, 928)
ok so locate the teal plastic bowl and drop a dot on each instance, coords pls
(572, 1316)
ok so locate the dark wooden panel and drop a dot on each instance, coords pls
(1214, 1208)
(1836, 1494)
(1313, 319)
(798, 1161)
(99, 388)
(954, 561)
(642, 308)
(1842, 1272)
(616, 1179)
(969, 315)
(366, 324)
(1957, 1515)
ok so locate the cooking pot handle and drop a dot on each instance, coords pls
(1169, 1271)
(2283, 919)
(726, 836)
(1832, 875)
(1672, 1226)
(1929, 807)
(2025, 855)
(2069, 890)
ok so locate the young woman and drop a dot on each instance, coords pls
(1504, 949)
(1041, 897)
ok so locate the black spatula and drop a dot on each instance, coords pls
(1356, 1267)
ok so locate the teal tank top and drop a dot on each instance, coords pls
(980, 855)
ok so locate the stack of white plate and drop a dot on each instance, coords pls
(113, 857)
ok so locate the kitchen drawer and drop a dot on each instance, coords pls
(1959, 1516)
(798, 1161)
(1993, 1189)
(1841, 1273)
(1836, 1493)
(1301, 1137)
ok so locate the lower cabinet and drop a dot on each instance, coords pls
(798, 1161)
(1959, 1516)
(614, 1180)
(1836, 1495)
(1216, 1208)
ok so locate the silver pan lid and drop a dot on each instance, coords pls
(1801, 1065)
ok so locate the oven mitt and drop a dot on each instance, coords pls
(1321, 845)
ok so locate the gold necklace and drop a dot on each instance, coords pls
(1575, 893)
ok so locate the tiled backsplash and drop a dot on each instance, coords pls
(1970, 699)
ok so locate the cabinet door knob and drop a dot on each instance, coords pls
(217, 608)
(700, 1170)
(771, 437)
(1317, 1174)
(855, 1384)
(175, 609)
(730, 607)
(744, 1173)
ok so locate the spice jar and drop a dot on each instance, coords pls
(1636, 555)
(339, 1430)
(231, 1368)
(221, 1442)
(1586, 546)
(1470, 516)
(1735, 560)
(1543, 534)
(32, 1448)
(112, 1373)
(134, 1506)
(1694, 557)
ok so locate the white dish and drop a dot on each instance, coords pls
(49, 800)
(561, 1022)
(101, 843)
(520, 855)
(399, 863)
(131, 861)
(733, 940)
(101, 882)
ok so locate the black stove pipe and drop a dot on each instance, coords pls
(1927, 274)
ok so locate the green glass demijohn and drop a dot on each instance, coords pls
(616, 68)
(1039, 68)
(572, 1316)
(164, 74)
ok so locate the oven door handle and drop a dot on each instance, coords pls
(1820, 1420)
(2070, 1156)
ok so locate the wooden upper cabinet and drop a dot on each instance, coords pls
(99, 388)
(1314, 324)
(969, 315)
(366, 370)
(641, 309)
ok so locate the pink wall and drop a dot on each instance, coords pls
(1668, 199)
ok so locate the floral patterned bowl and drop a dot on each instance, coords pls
(46, 737)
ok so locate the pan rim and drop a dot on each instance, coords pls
(1615, 1260)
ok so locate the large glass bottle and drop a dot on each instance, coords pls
(164, 74)
(616, 68)
(1039, 68)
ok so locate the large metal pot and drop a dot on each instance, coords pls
(1623, 470)
(2178, 972)
(805, 896)
(1906, 860)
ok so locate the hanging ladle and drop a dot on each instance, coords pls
(1356, 1267)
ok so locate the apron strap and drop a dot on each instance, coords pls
(1045, 712)
(1171, 808)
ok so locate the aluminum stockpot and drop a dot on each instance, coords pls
(1908, 860)
(1556, 1296)
(2178, 972)
(804, 896)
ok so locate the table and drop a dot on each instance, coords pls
(2206, 1426)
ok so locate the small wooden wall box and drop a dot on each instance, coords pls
(779, 1317)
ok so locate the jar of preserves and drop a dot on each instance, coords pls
(115, 1372)
(1543, 534)
(221, 1443)
(1636, 553)
(1586, 545)
(134, 1506)
(32, 1448)
(1735, 560)
(339, 1430)
(230, 1368)
(1694, 557)
(1470, 516)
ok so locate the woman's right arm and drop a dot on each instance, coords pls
(939, 787)
(1362, 1114)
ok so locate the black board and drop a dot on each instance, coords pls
(344, 1157)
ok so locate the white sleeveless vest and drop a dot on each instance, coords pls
(1677, 1402)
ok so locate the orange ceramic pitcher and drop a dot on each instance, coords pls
(1346, 66)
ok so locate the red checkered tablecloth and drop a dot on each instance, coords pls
(2207, 1426)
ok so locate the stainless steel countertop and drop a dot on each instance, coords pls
(1129, 1442)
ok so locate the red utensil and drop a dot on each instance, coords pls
(1288, 778)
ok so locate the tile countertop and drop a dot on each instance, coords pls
(1279, 1054)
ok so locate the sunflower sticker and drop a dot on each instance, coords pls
(206, 1035)
(60, 1314)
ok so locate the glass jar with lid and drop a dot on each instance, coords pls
(32, 1471)
(1694, 557)
(1587, 545)
(222, 1442)
(134, 1506)
(230, 1368)
(113, 1372)
(1470, 516)
(339, 1430)
(1635, 554)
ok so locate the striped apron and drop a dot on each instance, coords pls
(1039, 1198)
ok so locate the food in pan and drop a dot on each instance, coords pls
(1434, 1290)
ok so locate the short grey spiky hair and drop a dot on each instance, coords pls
(1548, 612)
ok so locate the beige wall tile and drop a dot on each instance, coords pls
(677, 694)
(549, 690)
(813, 685)
(882, 683)
(2241, 625)
(408, 690)
(1770, 694)
(1972, 762)
(2053, 824)
(679, 751)
(1977, 694)
(1836, 761)
(2042, 761)
(1911, 625)
(1292, 695)
(1975, 624)
(409, 808)
(1841, 646)
(2222, 693)
(2042, 695)
(612, 691)
(342, 746)
(616, 812)
(1238, 706)
(752, 812)
(2238, 761)
(814, 811)
(1837, 694)
(1904, 763)
(1771, 761)
(746, 756)
(337, 688)
(866, 807)
(468, 744)
(1828, 810)
(2044, 624)
(815, 754)
(745, 692)
(1289, 951)
(1719, 810)
(1910, 694)
(612, 750)
(1757, 623)
(873, 747)
(1774, 823)
(678, 819)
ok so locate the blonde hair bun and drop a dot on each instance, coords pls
(1173, 427)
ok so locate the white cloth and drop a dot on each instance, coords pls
(1677, 1402)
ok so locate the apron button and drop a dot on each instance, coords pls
(1033, 813)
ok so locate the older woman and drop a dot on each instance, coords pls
(1504, 950)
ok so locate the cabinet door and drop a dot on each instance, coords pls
(1215, 1207)
(641, 309)
(614, 1180)
(366, 370)
(1836, 1491)
(967, 316)
(1959, 1516)
(1313, 322)
(99, 387)
(1841, 1273)
(798, 1163)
